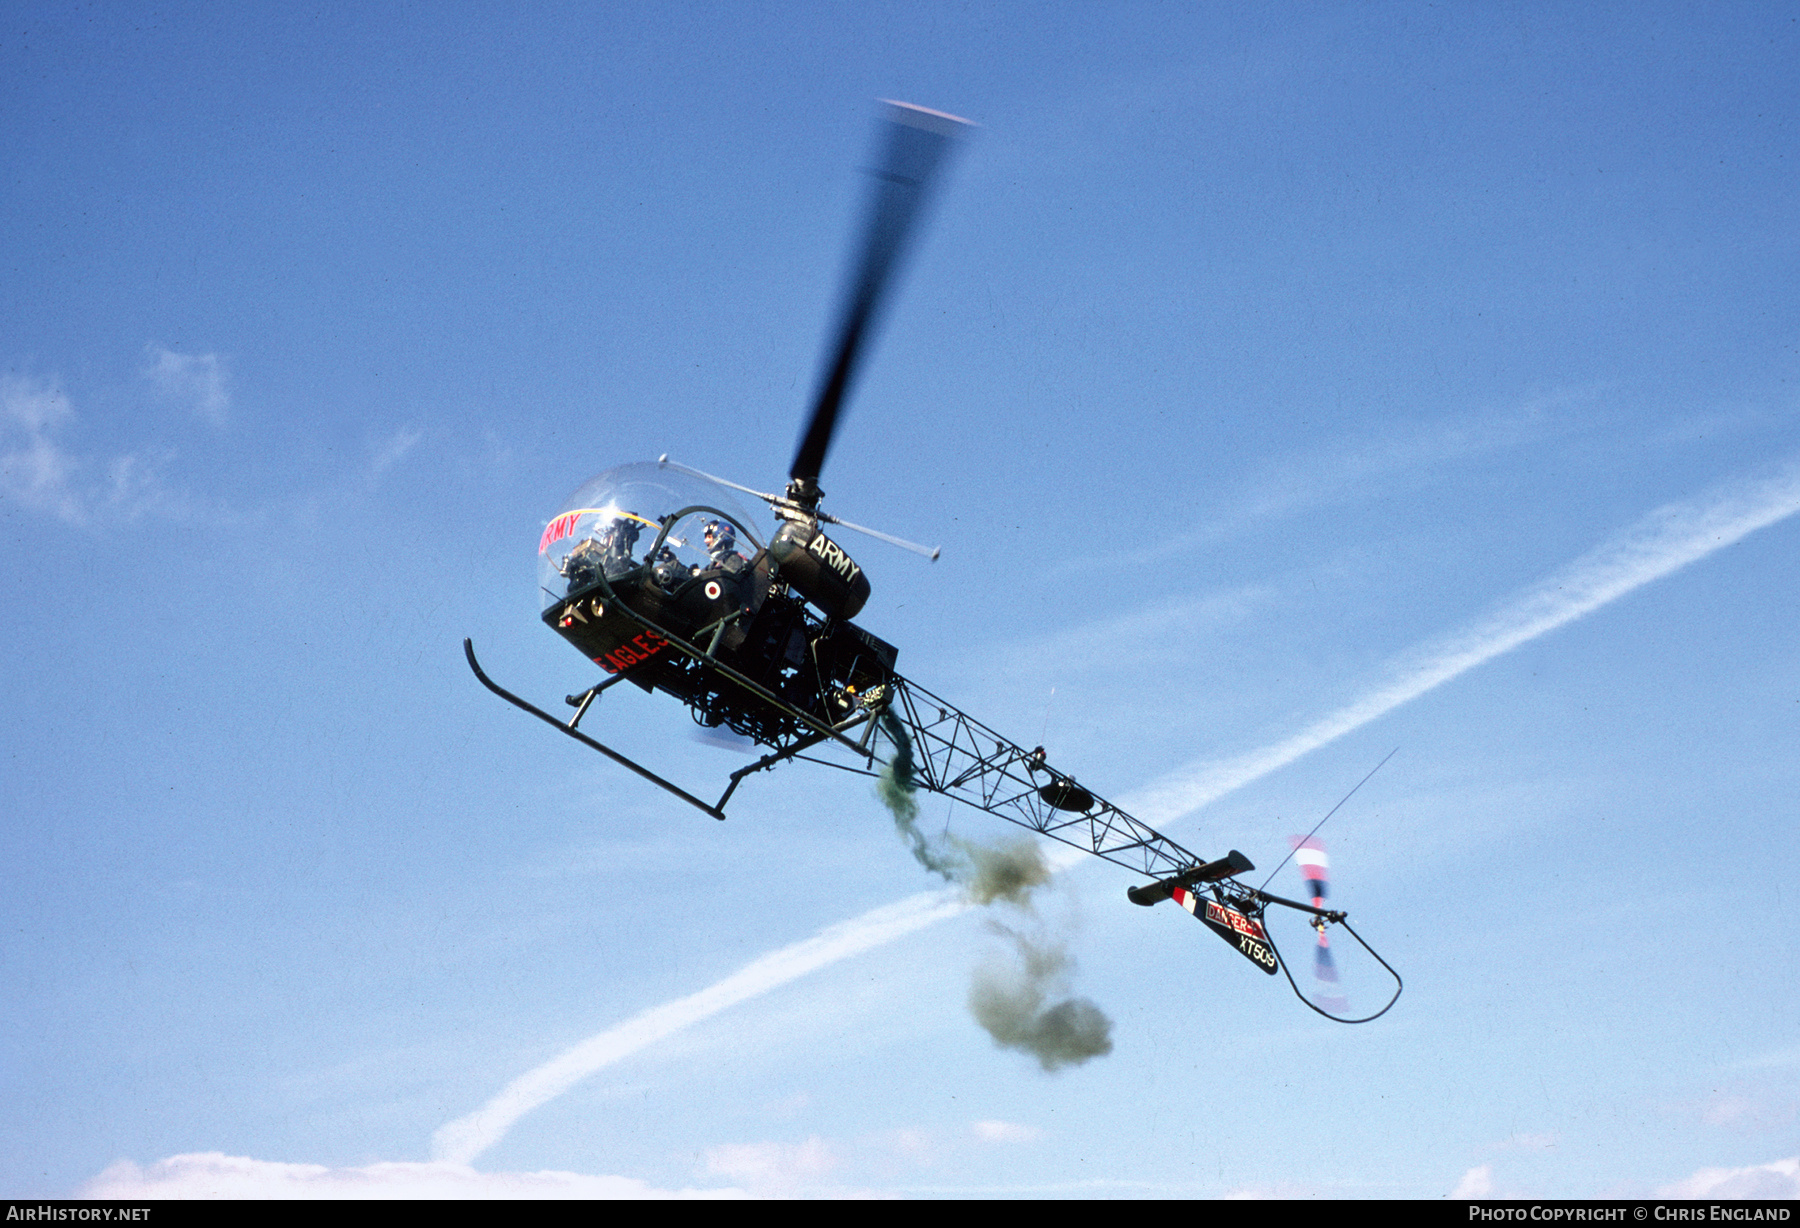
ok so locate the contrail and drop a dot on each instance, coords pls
(462, 1140)
(1665, 541)
(1662, 542)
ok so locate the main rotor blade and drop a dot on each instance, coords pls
(914, 142)
(930, 552)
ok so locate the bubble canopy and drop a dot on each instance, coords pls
(615, 522)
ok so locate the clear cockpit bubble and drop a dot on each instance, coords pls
(641, 515)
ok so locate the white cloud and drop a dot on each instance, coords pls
(1005, 1132)
(1280, 1191)
(814, 1167)
(1752, 1110)
(1727, 1110)
(1342, 470)
(35, 405)
(34, 471)
(1476, 1183)
(1346, 469)
(39, 474)
(775, 1170)
(212, 1174)
(915, 1145)
(1137, 636)
(1780, 1179)
(194, 380)
(789, 1106)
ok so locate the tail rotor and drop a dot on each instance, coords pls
(1315, 869)
(1351, 974)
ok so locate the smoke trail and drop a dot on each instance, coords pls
(1009, 871)
(897, 792)
(1010, 1001)
(1011, 998)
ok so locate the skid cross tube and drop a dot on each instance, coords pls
(781, 756)
(582, 702)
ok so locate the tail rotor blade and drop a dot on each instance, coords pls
(1327, 993)
(1315, 869)
(914, 143)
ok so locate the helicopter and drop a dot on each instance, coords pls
(656, 573)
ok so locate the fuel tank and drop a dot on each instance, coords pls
(819, 569)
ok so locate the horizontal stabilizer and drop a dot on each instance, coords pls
(1233, 863)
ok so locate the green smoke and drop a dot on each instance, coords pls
(898, 793)
(1012, 1000)
(1008, 871)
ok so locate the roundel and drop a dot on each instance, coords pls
(713, 590)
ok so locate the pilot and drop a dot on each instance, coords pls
(721, 547)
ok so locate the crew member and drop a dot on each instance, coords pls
(721, 547)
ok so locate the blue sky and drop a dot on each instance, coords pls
(1254, 365)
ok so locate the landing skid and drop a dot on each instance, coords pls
(582, 702)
